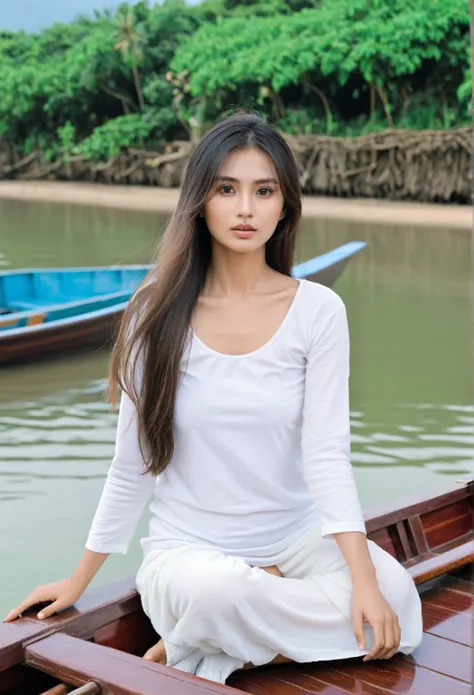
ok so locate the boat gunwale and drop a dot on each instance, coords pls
(379, 517)
(78, 320)
(74, 269)
(44, 308)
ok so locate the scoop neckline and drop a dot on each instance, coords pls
(263, 347)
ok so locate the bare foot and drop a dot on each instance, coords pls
(157, 653)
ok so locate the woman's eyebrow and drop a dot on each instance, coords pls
(231, 178)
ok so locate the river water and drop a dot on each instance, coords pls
(407, 296)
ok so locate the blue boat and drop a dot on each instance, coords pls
(54, 310)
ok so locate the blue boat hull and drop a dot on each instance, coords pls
(54, 311)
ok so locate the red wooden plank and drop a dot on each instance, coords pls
(392, 512)
(257, 688)
(455, 601)
(12, 636)
(446, 562)
(17, 632)
(400, 676)
(397, 676)
(266, 681)
(405, 541)
(416, 528)
(455, 581)
(442, 622)
(75, 661)
(132, 633)
(443, 656)
(447, 523)
(469, 536)
(321, 676)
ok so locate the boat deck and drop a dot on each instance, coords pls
(84, 650)
(441, 665)
(99, 643)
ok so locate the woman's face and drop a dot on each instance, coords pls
(246, 191)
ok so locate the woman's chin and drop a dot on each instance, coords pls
(240, 245)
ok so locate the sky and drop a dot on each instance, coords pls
(33, 15)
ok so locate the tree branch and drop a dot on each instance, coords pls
(121, 97)
(326, 106)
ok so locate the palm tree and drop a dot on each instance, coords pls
(130, 39)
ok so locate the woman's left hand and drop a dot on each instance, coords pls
(369, 605)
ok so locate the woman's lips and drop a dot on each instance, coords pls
(244, 233)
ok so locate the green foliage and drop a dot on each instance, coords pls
(107, 140)
(268, 8)
(143, 74)
(380, 46)
(464, 93)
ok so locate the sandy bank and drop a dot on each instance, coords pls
(163, 200)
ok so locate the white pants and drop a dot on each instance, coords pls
(215, 612)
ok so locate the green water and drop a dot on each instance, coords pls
(408, 301)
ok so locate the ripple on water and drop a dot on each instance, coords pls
(439, 438)
(70, 436)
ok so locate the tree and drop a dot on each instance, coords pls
(130, 39)
(374, 48)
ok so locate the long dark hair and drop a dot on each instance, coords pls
(148, 351)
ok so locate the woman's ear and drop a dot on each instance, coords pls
(283, 213)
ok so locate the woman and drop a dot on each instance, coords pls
(234, 418)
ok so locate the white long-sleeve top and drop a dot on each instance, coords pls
(262, 445)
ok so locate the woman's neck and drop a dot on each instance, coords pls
(234, 274)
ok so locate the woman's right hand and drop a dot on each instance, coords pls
(60, 595)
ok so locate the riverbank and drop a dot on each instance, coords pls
(163, 200)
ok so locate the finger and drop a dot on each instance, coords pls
(50, 610)
(358, 625)
(379, 640)
(389, 638)
(396, 639)
(22, 607)
(10, 616)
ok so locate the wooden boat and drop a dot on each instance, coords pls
(47, 311)
(95, 647)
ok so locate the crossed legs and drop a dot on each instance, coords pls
(157, 652)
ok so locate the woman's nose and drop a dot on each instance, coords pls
(245, 207)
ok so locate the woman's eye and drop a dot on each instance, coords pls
(263, 192)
